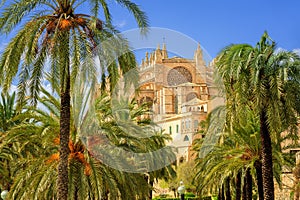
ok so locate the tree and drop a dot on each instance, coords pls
(238, 155)
(132, 140)
(268, 82)
(64, 37)
(232, 158)
(38, 142)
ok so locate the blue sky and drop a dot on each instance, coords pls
(217, 23)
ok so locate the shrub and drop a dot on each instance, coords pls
(189, 194)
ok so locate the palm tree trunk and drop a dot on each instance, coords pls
(151, 182)
(105, 196)
(247, 188)
(259, 180)
(223, 192)
(238, 184)
(228, 195)
(248, 184)
(266, 155)
(62, 185)
(244, 193)
(221, 195)
(76, 192)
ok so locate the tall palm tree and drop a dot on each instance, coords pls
(38, 141)
(239, 154)
(233, 157)
(54, 30)
(268, 82)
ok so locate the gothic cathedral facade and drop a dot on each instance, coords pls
(179, 91)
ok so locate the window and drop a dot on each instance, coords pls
(176, 104)
(186, 138)
(196, 123)
(177, 128)
(191, 96)
(179, 75)
(188, 124)
(170, 129)
(202, 108)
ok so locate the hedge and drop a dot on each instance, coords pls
(187, 198)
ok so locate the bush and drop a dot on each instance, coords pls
(189, 194)
(163, 195)
(206, 198)
(186, 198)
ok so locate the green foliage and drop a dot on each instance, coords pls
(53, 40)
(35, 148)
(189, 194)
(184, 172)
(186, 198)
(256, 83)
(9, 118)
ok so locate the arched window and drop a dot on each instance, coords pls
(191, 96)
(170, 129)
(179, 75)
(202, 108)
(186, 138)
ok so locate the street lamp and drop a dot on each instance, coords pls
(3, 194)
(181, 190)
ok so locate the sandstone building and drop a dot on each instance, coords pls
(179, 91)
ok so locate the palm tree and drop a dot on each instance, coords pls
(64, 37)
(234, 157)
(237, 155)
(38, 140)
(268, 82)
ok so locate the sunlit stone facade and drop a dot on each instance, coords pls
(179, 90)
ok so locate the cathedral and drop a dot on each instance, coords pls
(179, 91)
(181, 94)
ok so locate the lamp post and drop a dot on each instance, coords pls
(3, 194)
(181, 190)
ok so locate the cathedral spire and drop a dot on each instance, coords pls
(199, 56)
(158, 54)
(164, 51)
(151, 58)
(147, 59)
(143, 62)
